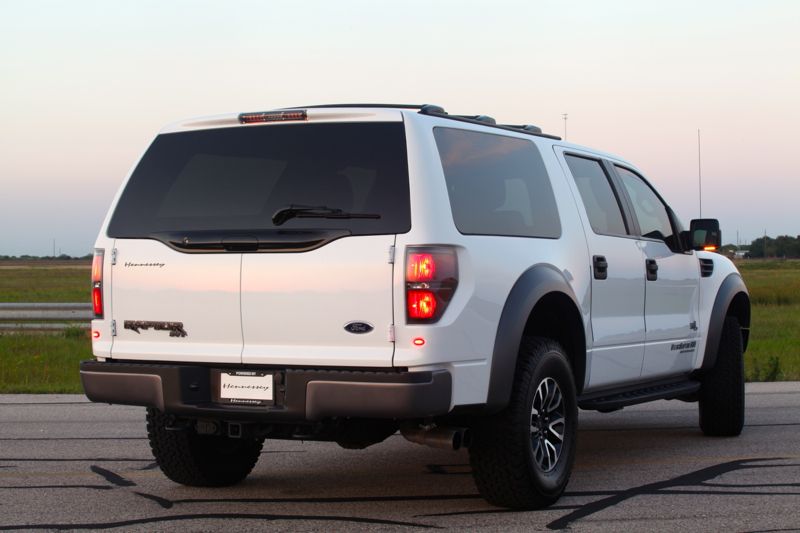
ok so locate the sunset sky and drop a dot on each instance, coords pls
(87, 84)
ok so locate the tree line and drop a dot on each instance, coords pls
(782, 246)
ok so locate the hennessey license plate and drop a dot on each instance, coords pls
(252, 388)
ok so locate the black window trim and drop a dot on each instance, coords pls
(629, 221)
(670, 213)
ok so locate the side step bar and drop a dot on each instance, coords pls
(613, 400)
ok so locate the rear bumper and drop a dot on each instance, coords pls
(300, 395)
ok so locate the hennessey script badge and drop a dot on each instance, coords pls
(175, 328)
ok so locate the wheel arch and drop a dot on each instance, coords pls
(541, 303)
(732, 300)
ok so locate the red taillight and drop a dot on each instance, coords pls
(421, 305)
(420, 267)
(431, 280)
(97, 283)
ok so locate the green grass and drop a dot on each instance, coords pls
(772, 282)
(774, 350)
(43, 363)
(45, 284)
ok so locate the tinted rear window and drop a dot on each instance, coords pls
(498, 185)
(237, 178)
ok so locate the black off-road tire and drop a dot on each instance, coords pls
(505, 464)
(722, 391)
(200, 460)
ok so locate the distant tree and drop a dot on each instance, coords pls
(782, 246)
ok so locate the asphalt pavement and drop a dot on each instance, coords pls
(67, 464)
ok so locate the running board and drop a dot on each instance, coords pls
(613, 400)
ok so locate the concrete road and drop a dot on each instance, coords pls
(69, 464)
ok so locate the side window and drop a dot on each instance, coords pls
(650, 211)
(601, 204)
(497, 185)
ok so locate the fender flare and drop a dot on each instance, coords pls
(535, 283)
(732, 286)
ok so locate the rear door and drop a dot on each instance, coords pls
(618, 280)
(174, 286)
(323, 295)
(173, 306)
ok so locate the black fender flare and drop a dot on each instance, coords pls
(732, 286)
(535, 283)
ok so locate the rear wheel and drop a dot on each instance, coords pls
(522, 457)
(722, 391)
(200, 460)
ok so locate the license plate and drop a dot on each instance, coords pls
(246, 387)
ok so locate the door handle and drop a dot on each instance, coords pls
(652, 269)
(600, 267)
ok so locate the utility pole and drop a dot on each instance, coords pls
(699, 175)
(565, 125)
(54, 247)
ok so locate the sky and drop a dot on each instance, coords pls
(85, 85)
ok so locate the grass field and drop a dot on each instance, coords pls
(32, 282)
(774, 350)
(49, 363)
(43, 363)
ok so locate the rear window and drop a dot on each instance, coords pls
(498, 185)
(238, 178)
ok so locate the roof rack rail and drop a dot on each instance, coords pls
(527, 127)
(391, 106)
(438, 111)
(480, 118)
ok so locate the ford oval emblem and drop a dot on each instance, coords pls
(358, 327)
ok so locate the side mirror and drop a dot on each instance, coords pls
(704, 234)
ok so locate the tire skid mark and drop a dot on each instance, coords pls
(218, 516)
(163, 502)
(75, 460)
(339, 499)
(497, 510)
(111, 477)
(669, 486)
(94, 487)
(674, 428)
(68, 438)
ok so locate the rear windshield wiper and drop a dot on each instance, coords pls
(309, 211)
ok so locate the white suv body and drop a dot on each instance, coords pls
(539, 239)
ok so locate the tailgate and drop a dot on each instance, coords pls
(172, 306)
(329, 307)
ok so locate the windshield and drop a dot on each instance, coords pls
(238, 178)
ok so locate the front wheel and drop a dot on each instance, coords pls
(200, 460)
(522, 457)
(722, 389)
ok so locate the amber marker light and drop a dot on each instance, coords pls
(710, 248)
